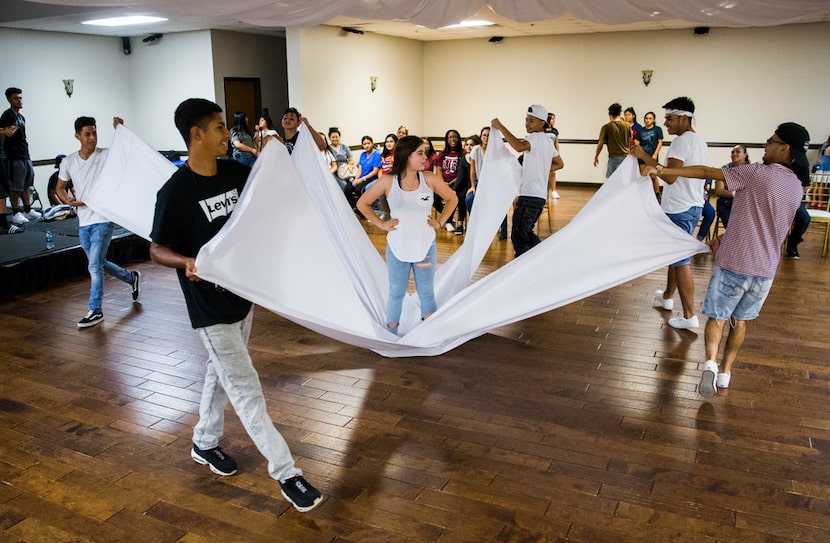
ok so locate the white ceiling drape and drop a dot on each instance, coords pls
(438, 13)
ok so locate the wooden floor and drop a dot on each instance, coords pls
(582, 424)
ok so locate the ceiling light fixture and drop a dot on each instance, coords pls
(125, 21)
(470, 24)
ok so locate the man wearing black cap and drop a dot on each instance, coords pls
(766, 199)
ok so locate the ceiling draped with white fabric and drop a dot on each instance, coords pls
(439, 13)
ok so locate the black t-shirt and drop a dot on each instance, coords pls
(190, 210)
(15, 146)
(291, 142)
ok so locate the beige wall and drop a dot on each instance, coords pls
(329, 73)
(744, 82)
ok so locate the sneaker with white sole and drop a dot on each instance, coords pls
(136, 286)
(92, 318)
(706, 387)
(13, 229)
(449, 226)
(661, 302)
(32, 215)
(19, 218)
(215, 458)
(555, 195)
(682, 323)
(722, 380)
(300, 493)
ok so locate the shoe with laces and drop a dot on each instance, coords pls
(722, 380)
(300, 493)
(459, 229)
(219, 462)
(706, 387)
(136, 286)
(32, 215)
(661, 302)
(92, 318)
(19, 218)
(13, 229)
(792, 253)
(684, 324)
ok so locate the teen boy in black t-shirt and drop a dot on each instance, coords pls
(191, 208)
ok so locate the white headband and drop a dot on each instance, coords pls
(679, 112)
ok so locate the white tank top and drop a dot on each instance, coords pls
(411, 239)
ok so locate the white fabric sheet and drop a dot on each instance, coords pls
(294, 246)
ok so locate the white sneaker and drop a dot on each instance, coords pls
(706, 387)
(684, 324)
(722, 380)
(32, 215)
(449, 227)
(661, 302)
(555, 195)
(19, 218)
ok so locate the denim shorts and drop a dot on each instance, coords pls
(736, 295)
(687, 220)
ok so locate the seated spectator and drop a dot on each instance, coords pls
(739, 156)
(241, 140)
(367, 170)
(51, 189)
(446, 165)
(344, 174)
(462, 182)
(265, 131)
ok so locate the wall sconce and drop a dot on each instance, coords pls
(373, 82)
(68, 87)
(647, 77)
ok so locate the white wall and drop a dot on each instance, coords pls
(329, 74)
(744, 82)
(177, 67)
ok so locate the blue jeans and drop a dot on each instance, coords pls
(468, 202)
(613, 163)
(424, 272)
(687, 220)
(230, 376)
(95, 240)
(736, 295)
(525, 214)
(708, 219)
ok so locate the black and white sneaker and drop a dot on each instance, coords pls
(13, 229)
(300, 493)
(219, 462)
(136, 285)
(92, 318)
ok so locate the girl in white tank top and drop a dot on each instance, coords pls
(410, 242)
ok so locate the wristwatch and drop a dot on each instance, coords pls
(659, 169)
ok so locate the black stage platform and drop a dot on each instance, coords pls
(26, 265)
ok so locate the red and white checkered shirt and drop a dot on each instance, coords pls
(767, 197)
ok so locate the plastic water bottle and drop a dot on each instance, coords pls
(50, 242)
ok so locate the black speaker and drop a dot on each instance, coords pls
(125, 45)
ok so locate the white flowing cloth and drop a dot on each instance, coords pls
(294, 246)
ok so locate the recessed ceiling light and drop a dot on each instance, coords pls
(124, 21)
(468, 24)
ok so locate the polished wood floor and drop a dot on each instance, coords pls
(582, 424)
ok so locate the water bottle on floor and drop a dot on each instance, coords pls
(50, 242)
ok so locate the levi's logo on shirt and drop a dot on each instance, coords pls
(220, 205)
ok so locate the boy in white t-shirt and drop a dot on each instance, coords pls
(682, 202)
(539, 158)
(94, 230)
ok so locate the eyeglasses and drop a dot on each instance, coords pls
(770, 140)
